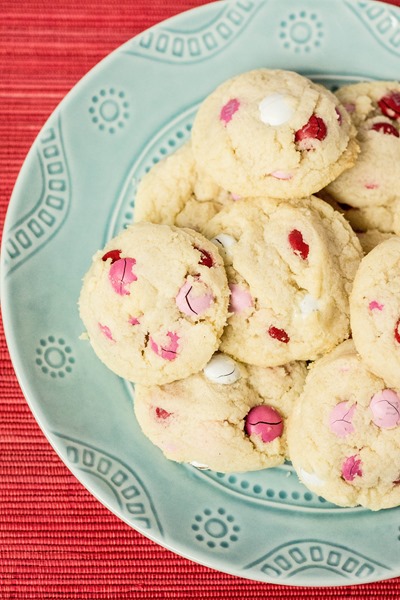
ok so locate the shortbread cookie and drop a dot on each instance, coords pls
(290, 268)
(371, 238)
(375, 111)
(226, 418)
(176, 192)
(273, 133)
(375, 310)
(154, 303)
(344, 433)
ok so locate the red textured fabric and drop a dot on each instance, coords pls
(56, 540)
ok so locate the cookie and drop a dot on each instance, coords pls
(227, 418)
(154, 303)
(375, 310)
(290, 268)
(374, 108)
(176, 192)
(345, 444)
(273, 133)
(371, 238)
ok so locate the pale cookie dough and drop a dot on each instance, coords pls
(273, 133)
(375, 111)
(176, 192)
(290, 268)
(154, 303)
(227, 418)
(375, 310)
(371, 238)
(344, 433)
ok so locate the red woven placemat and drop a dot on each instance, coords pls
(56, 540)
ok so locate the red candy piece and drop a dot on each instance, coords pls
(397, 332)
(265, 422)
(386, 128)
(161, 413)
(390, 105)
(206, 258)
(315, 129)
(279, 334)
(228, 110)
(113, 254)
(298, 244)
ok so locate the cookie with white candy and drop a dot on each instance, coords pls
(154, 303)
(345, 446)
(375, 310)
(273, 133)
(290, 269)
(229, 417)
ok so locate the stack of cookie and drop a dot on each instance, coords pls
(235, 276)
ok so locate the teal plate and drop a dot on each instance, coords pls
(77, 189)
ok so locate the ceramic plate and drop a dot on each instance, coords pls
(77, 189)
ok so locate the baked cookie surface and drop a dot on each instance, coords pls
(229, 417)
(177, 192)
(374, 108)
(290, 268)
(345, 442)
(375, 310)
(273, 133)
(154, 303)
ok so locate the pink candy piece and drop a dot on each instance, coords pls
(282, 175)
(206, 259)
(385, 407)
(374, 305)
(170, 350)
(341, 419)
(371, 185)
(339, 115)
(265, 422)
(121, 275)
(235, 196)
(134, 321)
(350, 107)
(278, 334)
(386, 129)
(106, 331)
(240, 299)
(228, 110)
(161, 413)
(192, 303)
(298, 245)
(314, 129)
(351, 468)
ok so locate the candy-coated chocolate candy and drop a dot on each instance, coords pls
(309, 305)
(114, 255)
(385, 408)
(390, 105)
(121, 275)
(194, 301)
(240, 299)
(298, 244)
(385, 128)
(222, 369)
(161, 413)
(341, 419)
(310, 478)
(223, 240)
(106, 331)
(168, 351)
(315, 129)
(351, 468)
(276, 109)
(265, 422)
(278, 334)
(228, 110)
(206, 259)
(397, 331)
(284, 175)
(375, 305)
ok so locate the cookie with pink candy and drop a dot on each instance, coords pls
(344, 433)
(375, 310)
(290, 268)
(273, 133)
(374, 108)
(228, 418)
(154, 303)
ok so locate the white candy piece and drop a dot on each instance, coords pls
(199, 466)
(222, 369)
(224, 240)
(310, 478)
(308, 305)
(276, 109)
